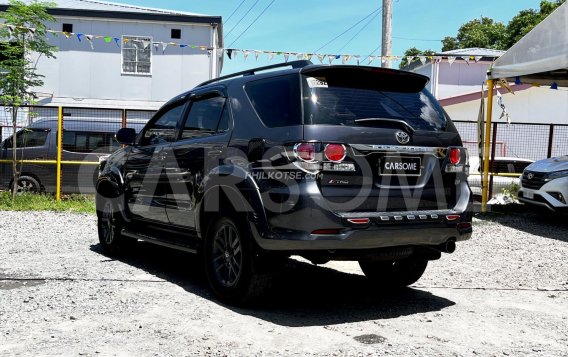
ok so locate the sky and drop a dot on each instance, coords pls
(307, 25)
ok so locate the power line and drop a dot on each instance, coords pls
(361, 30)
(252, 23)
(415, 39)
(241, 19)
(349, 29)
(372, 53)
(238, 7)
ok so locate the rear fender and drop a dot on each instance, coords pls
(230, 188)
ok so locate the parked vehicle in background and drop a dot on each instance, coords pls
(545, 183)
(501, 165)
(327, 162)
(83, 141)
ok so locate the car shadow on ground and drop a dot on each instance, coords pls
(539, 222)
(302, 294)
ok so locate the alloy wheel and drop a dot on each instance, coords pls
(227, 257)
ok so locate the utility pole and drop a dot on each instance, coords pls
(386, 46)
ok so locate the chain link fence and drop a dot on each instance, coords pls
(520, 140)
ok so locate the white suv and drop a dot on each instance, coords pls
(545, 183)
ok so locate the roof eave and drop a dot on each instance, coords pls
(130, 15)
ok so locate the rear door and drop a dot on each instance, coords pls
(201, 146)
(145, 177)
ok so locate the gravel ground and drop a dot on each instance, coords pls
(504, 292)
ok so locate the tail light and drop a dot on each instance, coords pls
(335, 152)
(313, 157)
(458, 159)
(454, 155)
(305, 152)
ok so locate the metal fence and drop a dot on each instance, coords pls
(522, 140)
(86, 135)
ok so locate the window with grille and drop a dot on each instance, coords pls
(136, 55)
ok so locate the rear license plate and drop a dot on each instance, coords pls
(400, 166)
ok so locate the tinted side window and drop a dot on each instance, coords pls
(276, 100)
(85, 142)
(163, 129)
(511, 167)
(28, 138)
(207, 116)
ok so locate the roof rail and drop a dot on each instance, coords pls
(250, 72)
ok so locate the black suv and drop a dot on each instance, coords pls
(325, 162)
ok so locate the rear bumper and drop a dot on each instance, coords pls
(299, 229)
(370, 238)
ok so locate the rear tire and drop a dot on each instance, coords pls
(230, 263)
(110, 224)
(28, 184)
(394, 274)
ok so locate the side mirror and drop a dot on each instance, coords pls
(126, 136)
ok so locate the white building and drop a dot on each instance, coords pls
(126, 57)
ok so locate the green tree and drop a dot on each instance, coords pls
(24, 41)
(482, 33)
(413, 52)
(486, 33)
(526, 20)
(449, 43)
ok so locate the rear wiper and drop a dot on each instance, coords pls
(396, 122)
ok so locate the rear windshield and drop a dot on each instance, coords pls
(358, 98)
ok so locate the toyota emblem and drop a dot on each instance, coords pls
(402, 137)
(530, 176)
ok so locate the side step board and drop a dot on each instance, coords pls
(153, 240)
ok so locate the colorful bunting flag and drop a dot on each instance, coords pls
(90, 39)
(11, 29)
(232, 53)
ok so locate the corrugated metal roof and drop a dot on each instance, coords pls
(485, 52)
(111, 6)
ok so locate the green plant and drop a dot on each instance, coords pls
(24, 42)
(46, 202)
(511, 191)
